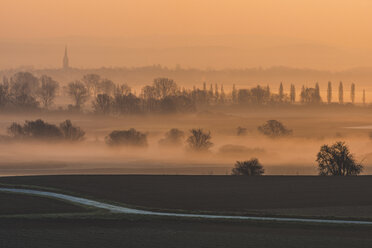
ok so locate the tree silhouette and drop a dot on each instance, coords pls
(78, 92)
(38, 130)
(92, 83)
(71, 132)
(164, 87)
(234, 95)
(341, 93)
(317, 90)
(248, 168)
(336, 160)
(130, 137)
(23, 89)
(107, 87)
(329, 92)
(352, 93)
(173, 137)
(102, 104)
(47, 91)
(199, 140)
(293, 94)
(281, 92)
(273, 129)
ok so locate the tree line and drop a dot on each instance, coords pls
(24, 91)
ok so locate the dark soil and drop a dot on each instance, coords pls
(20, 233)
(27, 204)
(214, 193)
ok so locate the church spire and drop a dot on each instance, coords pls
(65, 64)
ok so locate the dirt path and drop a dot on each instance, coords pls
(124, 210)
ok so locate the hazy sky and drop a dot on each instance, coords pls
(339, 24)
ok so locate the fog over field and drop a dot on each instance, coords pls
(291, 155)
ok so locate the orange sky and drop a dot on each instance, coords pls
(341, 24)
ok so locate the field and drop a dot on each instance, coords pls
(331, 197)
(325, 197)
(159, 233)
(18, 204)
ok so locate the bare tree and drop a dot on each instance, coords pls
(47, 91)
(23, 89)
(92, 83)
(102, 104)
(336, 160)
(248, 168)
(127, 104)
(78, 92)
(122, 89)
(24, 83)
(165, 87)
(106, 86)
(199, 140)
(149, 98)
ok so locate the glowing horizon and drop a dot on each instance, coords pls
(316, 34)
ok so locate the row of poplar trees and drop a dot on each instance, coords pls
(312, 95)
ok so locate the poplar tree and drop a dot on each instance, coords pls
(352, 93)
(329, 92)
(341, 93)
(281, 92)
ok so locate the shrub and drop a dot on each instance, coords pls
(130, 137)
(172, 137)
(240, 131)
(248, 168)
(40, 130)
(273, 129)
(336, 160)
